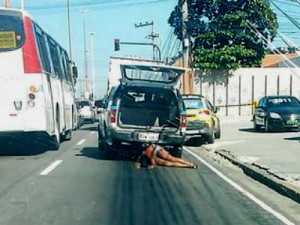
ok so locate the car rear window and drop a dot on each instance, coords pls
(84, 103)
(12, 34)
(193, 103)
(151, 73)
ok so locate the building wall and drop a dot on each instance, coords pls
(247, 86)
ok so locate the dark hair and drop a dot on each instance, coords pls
(145, 161)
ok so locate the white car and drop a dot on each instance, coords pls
(86, 111)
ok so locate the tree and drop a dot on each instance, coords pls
(220, 32)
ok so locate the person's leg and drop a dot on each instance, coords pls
(167, 156)
(163, 162)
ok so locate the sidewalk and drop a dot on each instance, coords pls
(270, 158)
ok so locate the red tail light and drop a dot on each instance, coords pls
(30, 54)
(183, 120)
(205, 111)
(113, 113)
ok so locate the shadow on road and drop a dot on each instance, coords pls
(194, 142)
(293, 139)
(21, 147)
(251, 130)
(95, 153)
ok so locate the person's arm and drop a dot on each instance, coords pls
(153, 163)
(137, 163)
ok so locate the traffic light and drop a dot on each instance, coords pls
(117, 44)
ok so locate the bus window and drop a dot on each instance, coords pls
(55, 59)
(64, 65)
(12, 35)
(42, 50)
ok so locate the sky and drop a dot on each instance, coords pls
(111, 19)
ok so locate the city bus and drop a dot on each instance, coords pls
(37, 95)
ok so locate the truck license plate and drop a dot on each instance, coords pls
(148, 136)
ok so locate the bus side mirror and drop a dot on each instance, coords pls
(75, 71)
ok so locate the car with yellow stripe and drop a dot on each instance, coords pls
(203, 122)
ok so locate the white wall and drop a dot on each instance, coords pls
(248, 85)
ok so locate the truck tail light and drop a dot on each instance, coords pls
(183, 121)
(113, 113)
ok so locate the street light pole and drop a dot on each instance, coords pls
(92, 63)
(69, 30)
(22, 4)
(84, 11)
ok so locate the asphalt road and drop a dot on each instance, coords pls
(80, 185)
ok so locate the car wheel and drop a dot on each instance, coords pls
(267, 125)
(218, 133)
(176, 151)
(100, 141)
(210, 138)
(255, 126)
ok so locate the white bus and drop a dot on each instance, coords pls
(37, 95)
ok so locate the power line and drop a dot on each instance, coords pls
(287, 16)
(109, 3)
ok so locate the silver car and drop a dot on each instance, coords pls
(86, 111)
(144, 107)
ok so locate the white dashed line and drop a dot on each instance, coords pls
(243, 191)
(51, 167)
(81, 142)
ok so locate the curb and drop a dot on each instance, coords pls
(262, 176)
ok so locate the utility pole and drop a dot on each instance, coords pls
(185, 48)
(86, 88)
(6, 3)
(152, 36)
(69, 30)
(92, 34)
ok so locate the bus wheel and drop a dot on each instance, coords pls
(68, 135)
(56, 134)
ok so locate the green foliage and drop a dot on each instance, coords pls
(220, 34)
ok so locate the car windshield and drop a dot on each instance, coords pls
(193, 103)
(151, 73)
(283, 102)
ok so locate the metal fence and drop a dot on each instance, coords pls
(239, 94)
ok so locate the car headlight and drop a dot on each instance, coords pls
(275, 115)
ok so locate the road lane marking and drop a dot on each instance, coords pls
(243, 191)
(81, 142)
(93, 132)
(50, 168)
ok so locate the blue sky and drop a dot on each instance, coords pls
(111, 19)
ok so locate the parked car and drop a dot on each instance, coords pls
(99, 105)
(277, 113)
(87, 111)
(202, 119)
(144, 107)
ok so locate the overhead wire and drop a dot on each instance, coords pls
(275, 50)
(108, 3)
